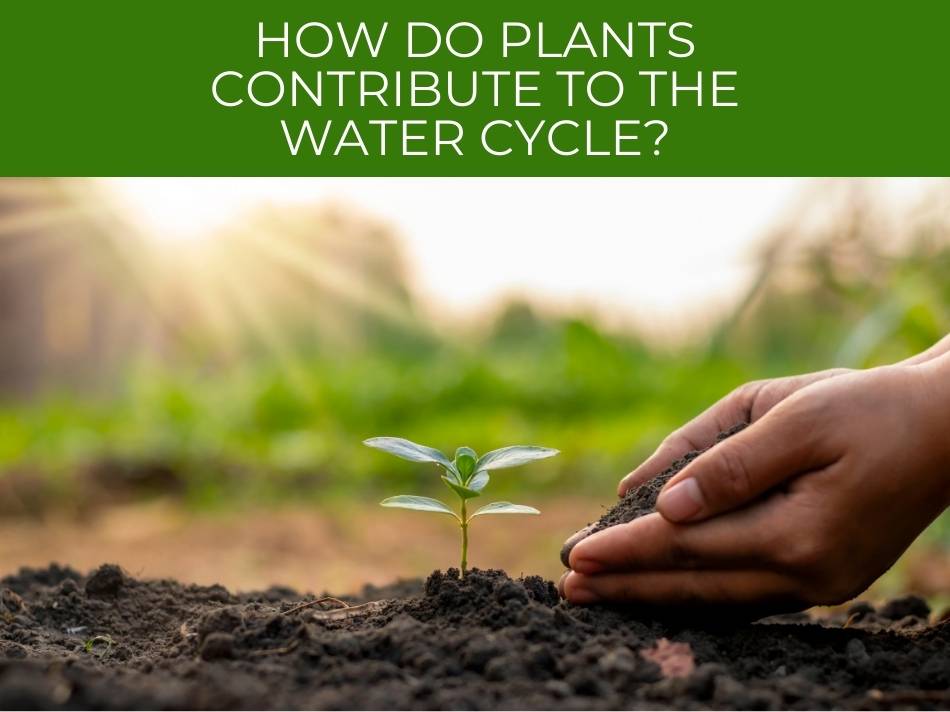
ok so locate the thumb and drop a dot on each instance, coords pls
(779, 446)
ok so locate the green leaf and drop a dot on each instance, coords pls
(478, 481)
(512, 456)
(461, 490)
(424, 504)
(465, 459)
(453, 474)
(505, 508)
(408, 450)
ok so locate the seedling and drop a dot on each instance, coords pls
(466, 475)
(96, 640)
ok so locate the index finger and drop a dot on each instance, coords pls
(746, 404)
(698, 434)
(783, 444)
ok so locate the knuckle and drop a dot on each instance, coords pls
(630, 541)
(734, 480)
(752, 391)
(803, 553)
(804, 406)
(747, 391)
(770, 394)
(680, 553)
(672, 440)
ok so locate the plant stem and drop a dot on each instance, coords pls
(464, 538)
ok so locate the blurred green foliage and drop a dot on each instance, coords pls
(255, 430)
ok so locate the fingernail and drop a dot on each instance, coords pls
(571, 542)
(681, 501)
(576, 592)
(560, 583)
(581, 561)
(623, 486)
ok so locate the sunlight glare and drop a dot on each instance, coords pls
(176, 212)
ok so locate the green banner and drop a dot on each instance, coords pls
(491, 88)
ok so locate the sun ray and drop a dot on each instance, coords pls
(328, 276)
(236, 288)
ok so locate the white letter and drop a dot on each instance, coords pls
(716, 88)
(698, 88)
(522, 88)
(450, 90)
(496, 75)
(280, 88)
(590, 88)
(541, 53)
(438, 39)
(681, 40)
(491, 124)
(407, 137)
(620, 136)
(326, 48)
(653, 76)
(530, 138)
(626, 46)
(214, 89)
(415, 88)
(554, 127)
(478, 40)
(365, 93)
(382, 123)
(453, 142)
(579, 29)
(506, 43)
(652, 26)
(357, 141)
(590, 142)
(305, 129)
(341, 76)
(297, 81)
(362, 31)
(570, 74)
(285, 39)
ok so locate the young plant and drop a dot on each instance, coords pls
(95, 640)
(466, 475)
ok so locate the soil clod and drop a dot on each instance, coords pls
(107, 580)
(905, 606)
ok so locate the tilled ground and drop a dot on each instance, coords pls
(108, 640)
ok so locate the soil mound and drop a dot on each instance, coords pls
(108, 640)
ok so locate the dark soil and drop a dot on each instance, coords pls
(641, 500)
(107, 640)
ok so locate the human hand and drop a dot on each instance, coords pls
(745, 404)
(808, 505)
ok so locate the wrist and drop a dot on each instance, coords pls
(934, 394)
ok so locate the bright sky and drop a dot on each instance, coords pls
(649, 249)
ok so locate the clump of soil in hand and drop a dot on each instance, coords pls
(641, 500)
(485, 641)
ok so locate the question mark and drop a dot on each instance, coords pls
(662, 135)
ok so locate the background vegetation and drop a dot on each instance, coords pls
(284, 419)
